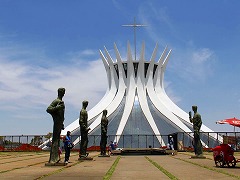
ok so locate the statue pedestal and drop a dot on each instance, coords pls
(198, 157)
(56, 164)
(85, 158)
(103, 155)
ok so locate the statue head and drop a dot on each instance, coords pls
(61, 92)
(104, 112)
(85, 104)
(194, 108)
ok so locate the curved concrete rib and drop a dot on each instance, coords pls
(160, 61)
(118, 90)
(105, 101)
(161, 94)
(112, 92)
(121, 88)
(157, 103)
(130, 95)
(119, 93)
(151, 65)
(141, 90)
(159, 88)
(74, 125)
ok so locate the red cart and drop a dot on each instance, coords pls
(223, 155)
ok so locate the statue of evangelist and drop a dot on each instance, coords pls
(56, 109)
(197, 123)
(84, 129)
(104, 126)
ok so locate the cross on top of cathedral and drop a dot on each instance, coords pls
(134, 25)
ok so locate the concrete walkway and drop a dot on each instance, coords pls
(136, 167)
(14, 165)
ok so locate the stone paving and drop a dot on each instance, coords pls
(31, 165)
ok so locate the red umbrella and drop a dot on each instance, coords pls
(232, 121)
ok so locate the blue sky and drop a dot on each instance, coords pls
(49, 44)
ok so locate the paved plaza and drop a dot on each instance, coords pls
(31, 165)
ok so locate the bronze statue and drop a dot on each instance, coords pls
(56, 109)
(197, 123)
(84, 129)
(104, 125)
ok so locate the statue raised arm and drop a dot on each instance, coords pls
(197, 123)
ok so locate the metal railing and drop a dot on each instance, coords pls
(183, 140)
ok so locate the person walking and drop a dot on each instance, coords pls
(67, 146)
(171, 143)
(111, 147)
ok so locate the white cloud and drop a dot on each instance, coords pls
(171, 93)
(190, 63)
(116, 4)
(27, 89)
(194, 64)
(202, 55)
(87, 52)
(157, 16)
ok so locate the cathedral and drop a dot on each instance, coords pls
(140, 113)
